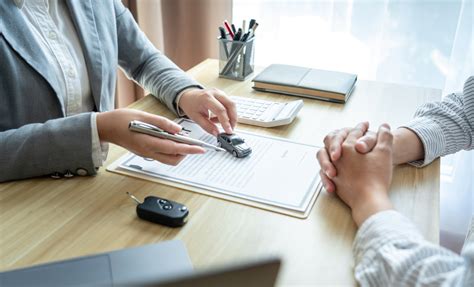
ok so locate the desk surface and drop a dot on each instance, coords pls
(44, 219)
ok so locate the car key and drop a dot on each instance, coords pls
(161, 211)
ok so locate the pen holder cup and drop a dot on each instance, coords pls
(236, 59)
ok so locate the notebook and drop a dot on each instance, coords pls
(306, 82)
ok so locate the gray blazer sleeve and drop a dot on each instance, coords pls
(142, 62)
(58, 145)
(35, 137)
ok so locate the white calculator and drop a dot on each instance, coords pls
(264, 113)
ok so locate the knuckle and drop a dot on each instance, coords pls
(329, 138)
(320, 154)
(208, 95)
(232, 104)
(384, 149)
(386, 134)
(338, 137)
(220, 110)
(174, 148)
(333, 133)
(326, 139)
(372, 136)
(324, 179)
(165, 147)
(346, 146)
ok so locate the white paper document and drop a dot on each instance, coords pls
(278, 172)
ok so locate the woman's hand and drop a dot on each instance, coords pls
(197, 104)
(113, 127)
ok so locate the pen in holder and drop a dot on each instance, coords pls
(236, 59)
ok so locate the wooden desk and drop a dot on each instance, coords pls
(44, 219)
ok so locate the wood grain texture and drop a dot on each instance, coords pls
(44, 219)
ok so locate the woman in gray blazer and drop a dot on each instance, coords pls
(58, 62)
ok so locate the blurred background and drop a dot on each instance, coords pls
(418, 43)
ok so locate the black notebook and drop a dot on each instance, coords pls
(306, 82)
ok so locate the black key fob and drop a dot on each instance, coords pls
(163, 211)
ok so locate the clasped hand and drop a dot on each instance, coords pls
(357, 165)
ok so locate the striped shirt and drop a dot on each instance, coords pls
(389, 250)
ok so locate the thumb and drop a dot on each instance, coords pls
(384, 137)
(367, 142)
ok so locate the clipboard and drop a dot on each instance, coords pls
(282, 201)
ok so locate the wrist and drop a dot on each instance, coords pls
(397, 139)
(377, 200)
(103, 127)
(184, 94)
(407, 146)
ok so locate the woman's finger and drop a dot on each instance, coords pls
(218, 109)
(229, 105)
(162, 123)
(152, 144)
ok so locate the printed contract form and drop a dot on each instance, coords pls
(278, 174)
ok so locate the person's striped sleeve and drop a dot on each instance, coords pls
(390, 251)
(446, 127)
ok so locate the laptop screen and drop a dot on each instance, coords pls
(70, 273)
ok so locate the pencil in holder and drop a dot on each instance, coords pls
(236, 59)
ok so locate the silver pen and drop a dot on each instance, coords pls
(145, 128)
